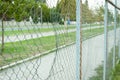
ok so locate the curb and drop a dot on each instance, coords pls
(40, 55)
(33, 57)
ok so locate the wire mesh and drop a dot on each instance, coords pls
(93, 41)
(113, 37)
(37, 40)
(109, 65)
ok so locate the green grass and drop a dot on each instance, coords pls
(116, 72)
(110, 73)
(19, 50)
(92, 25)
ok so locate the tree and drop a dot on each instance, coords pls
(46, 13)
(87, 13)
(86, 2)
(99, 15)
(36, 11)
(40, 5)
(67, 8)
(17, 10)
(5, 14)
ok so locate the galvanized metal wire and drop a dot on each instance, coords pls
(58, 39)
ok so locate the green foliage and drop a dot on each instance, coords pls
(18, 10)
(67, 8)
(110, 74)
(99, 72)
(86, 2)
(87, 14)
(6, 10)
(21, 10)
(34, 13)
(37, 10)
(55, 15)
(46, 13)
(116, 73)
(99, 15)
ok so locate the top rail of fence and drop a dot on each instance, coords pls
(113, 4)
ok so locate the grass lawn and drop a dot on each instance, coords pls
(19, 50)
(116, 72)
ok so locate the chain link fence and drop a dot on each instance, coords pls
(59, 39)
(37, 40)
(99, 43)
(92, 37)
(113, 41)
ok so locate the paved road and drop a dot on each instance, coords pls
(25, 25)
(32, 36)
(64, 63)
(28, 27)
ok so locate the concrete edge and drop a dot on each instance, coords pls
(33, 57)
(38, 55)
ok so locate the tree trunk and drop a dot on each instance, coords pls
(2, 46)
(66, 25)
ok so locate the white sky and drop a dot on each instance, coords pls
(92, 3)
(51, 3)
(95, 3)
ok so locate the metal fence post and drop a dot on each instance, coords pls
(118, 22)
(105, 39)
(78, 26)
(115, 25)
(119, 48)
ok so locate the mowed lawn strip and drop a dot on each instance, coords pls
(19, 50)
